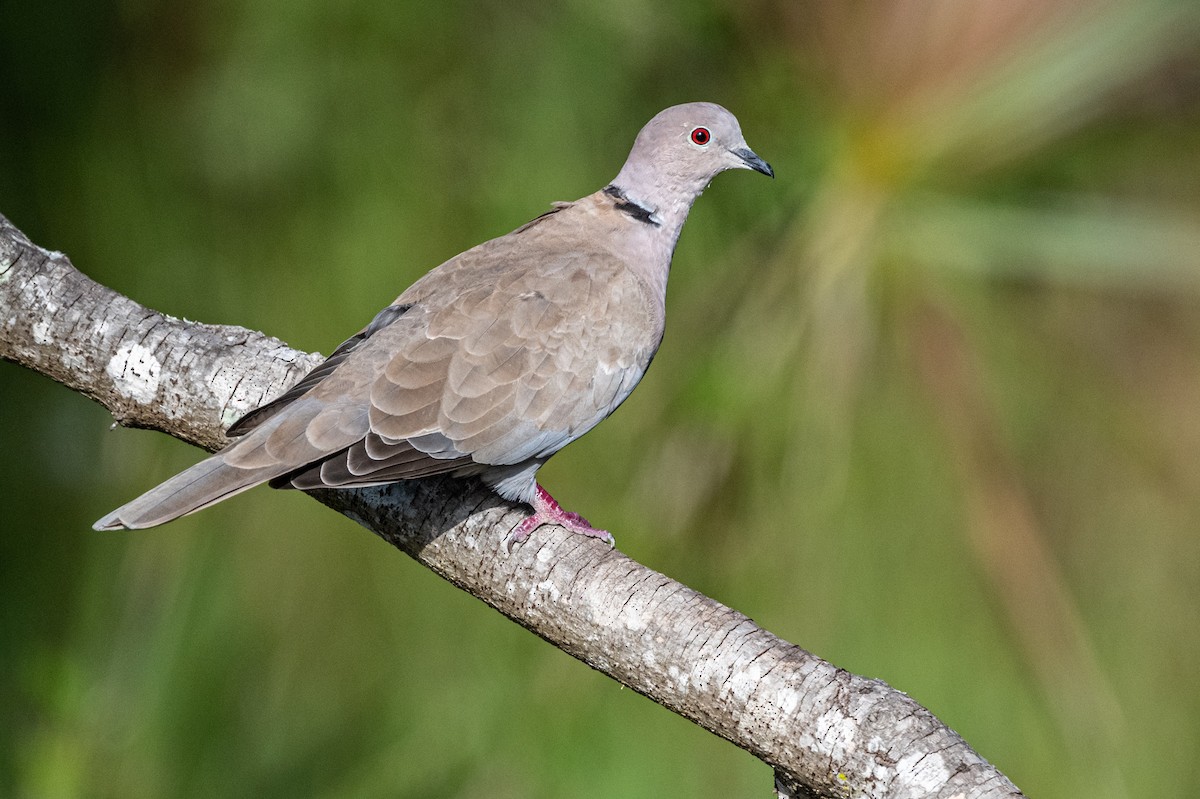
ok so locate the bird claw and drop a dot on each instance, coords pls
(547, 511)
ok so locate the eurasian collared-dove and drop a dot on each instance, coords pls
(493, 361)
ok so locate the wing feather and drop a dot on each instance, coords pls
(489, 367)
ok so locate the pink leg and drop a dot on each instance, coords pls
(547, 511)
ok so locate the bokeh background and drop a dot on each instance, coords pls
(928, 405)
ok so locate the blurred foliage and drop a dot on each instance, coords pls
(929, 404)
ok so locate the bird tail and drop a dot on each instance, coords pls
(208, 482)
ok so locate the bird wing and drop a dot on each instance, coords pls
(494, 364)
(321, 371)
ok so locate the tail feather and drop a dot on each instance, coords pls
(204, 484)
(274, 447)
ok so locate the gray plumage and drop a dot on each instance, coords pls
(493, 361)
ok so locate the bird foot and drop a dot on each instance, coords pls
(547, 511)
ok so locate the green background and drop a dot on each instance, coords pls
(928, 404)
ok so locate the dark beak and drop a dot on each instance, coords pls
(754, 162)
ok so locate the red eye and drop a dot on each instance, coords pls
(700, 136)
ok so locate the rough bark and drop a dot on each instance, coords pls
(826, 732)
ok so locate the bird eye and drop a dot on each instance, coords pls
(700, 136)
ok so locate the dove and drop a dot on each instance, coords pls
(493, 361)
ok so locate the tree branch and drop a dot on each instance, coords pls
(826, 732)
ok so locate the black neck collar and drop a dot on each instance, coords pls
(639, 212)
